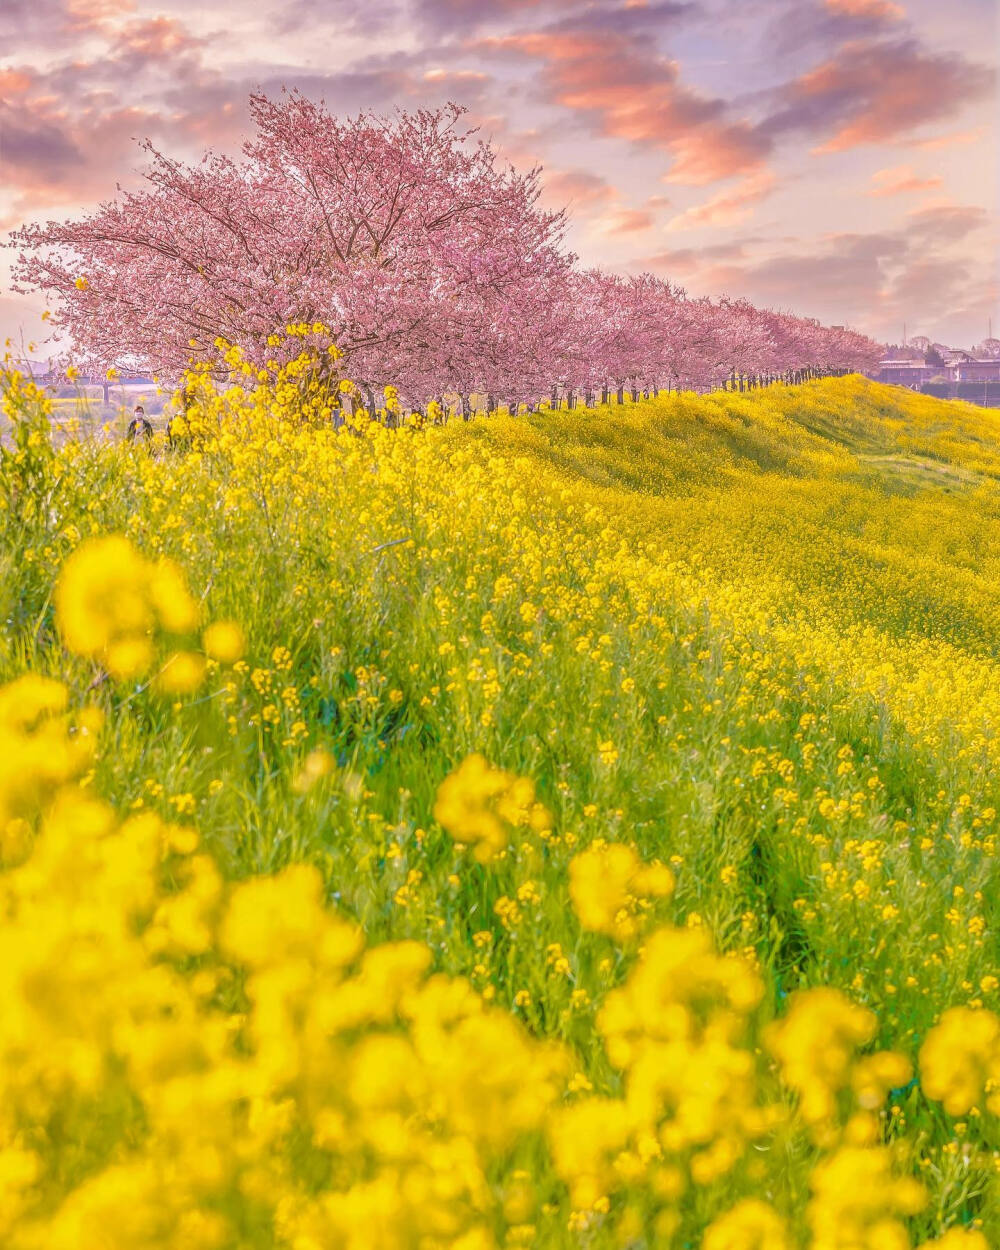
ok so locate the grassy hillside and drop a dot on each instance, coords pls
(744, 652)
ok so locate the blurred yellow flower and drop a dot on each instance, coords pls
(224, 641)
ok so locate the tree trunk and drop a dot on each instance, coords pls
(621, 394)
(466, 413)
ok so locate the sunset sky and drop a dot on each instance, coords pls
(834, 157)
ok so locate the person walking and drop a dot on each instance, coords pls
(139, 426)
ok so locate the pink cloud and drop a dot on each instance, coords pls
(700, 261)
(579, 189)
(448, 77)
(68, 131)
(626, 221)
(943, 224)
(84, 15)
(588, 195)
(14, 82)
(901, 180)
(727, 208)
(465, 13)
(879, 9)
(956, 139)
(631, 94)
(871, 92)
(872, 281)
(153, 39)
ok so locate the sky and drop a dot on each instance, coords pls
(836, 158)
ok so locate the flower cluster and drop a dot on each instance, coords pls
(111, 600)
(608, 885)
(480, 806)
(187, 1062)
(42, 747)
(960, 1061)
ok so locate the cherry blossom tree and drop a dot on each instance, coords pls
(409, 241)
(405, 242)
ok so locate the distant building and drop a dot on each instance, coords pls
(904, 372)
(959, 366)
(976, 370)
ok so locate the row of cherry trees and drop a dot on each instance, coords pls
(432, 265)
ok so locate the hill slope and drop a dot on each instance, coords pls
(755, 638)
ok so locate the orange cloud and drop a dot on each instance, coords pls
(14, 81)
(454, 76)
(901, 180)
(883, 9)
(67, 136)
(956, 139)
(873, 92)
(577, 189)
(892, 90)
(637, 96)
(626, 221)
(727, 208)
(94, 14)
(155, 39)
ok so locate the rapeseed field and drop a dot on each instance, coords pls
(576, 829)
